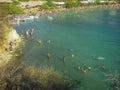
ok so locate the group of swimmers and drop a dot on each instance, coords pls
(84, 70)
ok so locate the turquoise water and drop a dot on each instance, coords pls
(93, 32)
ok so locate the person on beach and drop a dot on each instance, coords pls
(49, 55)
(11, 43)
(10, 49)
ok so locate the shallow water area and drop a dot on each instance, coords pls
(73, 38)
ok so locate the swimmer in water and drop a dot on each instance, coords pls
(72, 55)
(94, 57)
(78, 67)
(39, 42)
(49, 55)
(71, 50)
(89, 68)
(84, 70)
(27, 33)
(64, 58)
(31, 32)
(49, 41)
(97, 58)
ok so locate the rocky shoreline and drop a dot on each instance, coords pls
(48, 11)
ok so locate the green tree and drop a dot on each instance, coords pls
(6, 9)
(24, 0)
(48, 5)
(16, 2)
(71, 3)
(11, 8)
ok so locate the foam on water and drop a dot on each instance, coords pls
(82, 33)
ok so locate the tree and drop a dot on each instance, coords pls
(72, 3)
(24, 0)
(48, 5)
(11, 8)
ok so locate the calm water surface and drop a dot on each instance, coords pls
(83, 33)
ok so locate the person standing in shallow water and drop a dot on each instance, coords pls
(27, 33)
(49, 55)
(64, 58)
(39, 42)
(31, 32)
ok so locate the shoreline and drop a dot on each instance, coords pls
(83, 7)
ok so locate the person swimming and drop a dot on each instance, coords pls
(78, 67)
(94, 57)
(64, 58)
(49, 41)
(49, 55)
(89, 68)
(70, 49)
(27, 33)
(72, 55)
(31, 32)
(84, 70)
(100, 58)
(39, 42)
(97, 58)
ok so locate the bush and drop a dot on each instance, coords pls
(48, 5)
(71, 4)
(11, 8)
(18, 76)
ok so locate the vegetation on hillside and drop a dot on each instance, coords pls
(48, 5)
(11, 8)
(71, 3)
(5, 10)
(18, 76)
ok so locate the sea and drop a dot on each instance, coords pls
(82, 44)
